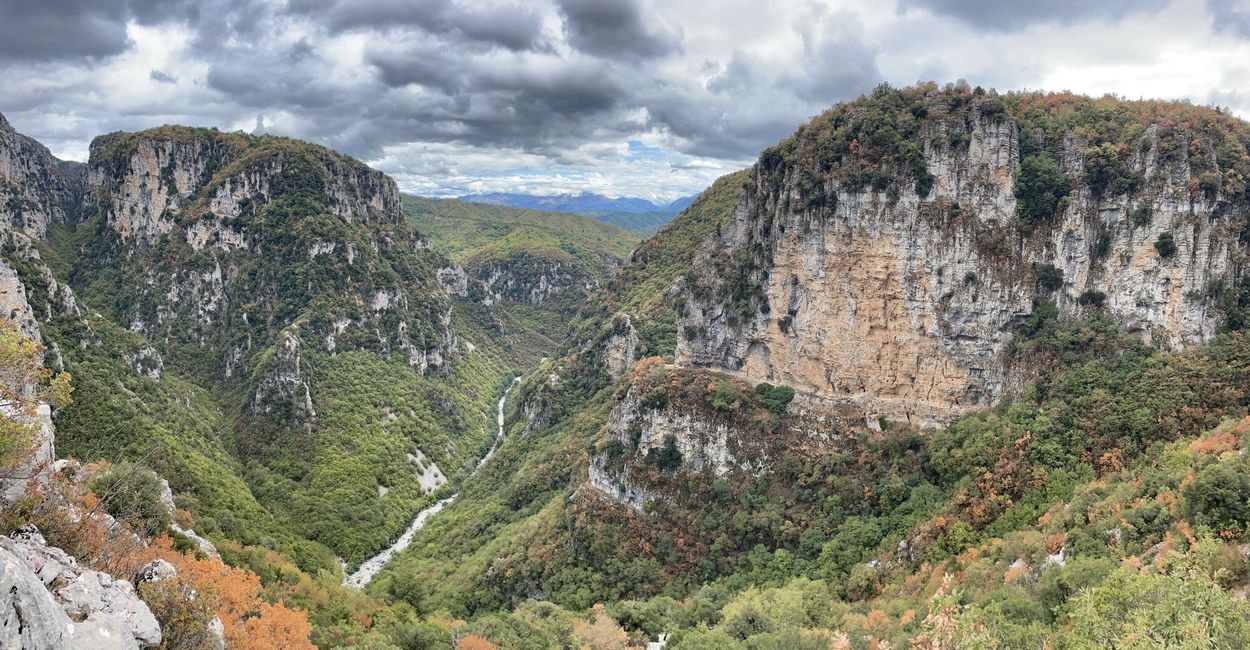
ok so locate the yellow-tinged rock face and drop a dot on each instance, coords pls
(906, 306)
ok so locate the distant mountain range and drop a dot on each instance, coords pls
(639, 215)
(584, 202)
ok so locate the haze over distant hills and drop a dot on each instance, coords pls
(637, 214)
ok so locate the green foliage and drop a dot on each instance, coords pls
(725, 396)
(1158, 611)
(776, 398)
(1219, 497)
(1092, 298)
(132, 493)
(1041, 187)
(669, 458)
(1166, 245)
(1049, 278)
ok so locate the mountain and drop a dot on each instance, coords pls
(564, 202)
(937, 330)
(944, 368)
(534, 268)
(639, 215)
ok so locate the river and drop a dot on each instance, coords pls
(370, 567)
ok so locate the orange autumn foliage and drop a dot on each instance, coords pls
(235, 594)
(278, 627)
(1216, 444)
(473, 642)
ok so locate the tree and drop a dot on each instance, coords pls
(775, 398)
(1040, 188)
(1219, 496)
(132, 493)
(24, 383)
(1158, 611)
(1166, 245)
(669, 457)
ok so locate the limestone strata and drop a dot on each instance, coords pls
(36, 189)
(906, 306)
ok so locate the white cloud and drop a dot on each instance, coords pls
(454, 96)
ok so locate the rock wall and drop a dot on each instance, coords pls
(35, 188)
(906, 306)
(531, 281)
(225, 241)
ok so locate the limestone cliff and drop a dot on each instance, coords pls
(224, 241)
(900, 284)
(35, 188)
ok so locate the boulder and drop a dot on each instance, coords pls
(96, 610)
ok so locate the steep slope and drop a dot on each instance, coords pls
(266, 330)
(909, 258)
(887, 255)
(531, 270)
(508, 533)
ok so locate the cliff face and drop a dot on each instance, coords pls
(225, 240)
(531, 281)
(905, 300)
(35, 188)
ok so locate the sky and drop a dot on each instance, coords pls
(646, 98)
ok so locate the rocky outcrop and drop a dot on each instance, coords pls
(616, 484)
(35, 188)
(206, 547)
(906, 305)
(48, 601)
(531, 281)
(225, 241)
(282, 387)
(619, 350)
(702, 442)
(37, 467)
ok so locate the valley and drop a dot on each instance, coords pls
(946, 367)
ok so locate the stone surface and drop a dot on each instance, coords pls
(907, 308)
(101, 612)
(39, 466)
(36, 189)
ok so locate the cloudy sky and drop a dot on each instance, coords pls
(651, 98)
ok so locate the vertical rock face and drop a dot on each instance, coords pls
(226, 240)
(35, 188)
(906, 303)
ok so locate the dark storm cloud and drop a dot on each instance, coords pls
(1010, 15)
(47, 30)
(513, 27)
(537, 103)
(1230, 16)
(615, 30)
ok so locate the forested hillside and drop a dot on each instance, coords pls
(946, 368)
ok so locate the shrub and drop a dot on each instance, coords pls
(1166, 245)
(669, 457)
(775, 398)
(1049, 277)
(725, 396)
(1092, 298)
(1040, 187)
(1218, 497)
(132, 493)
